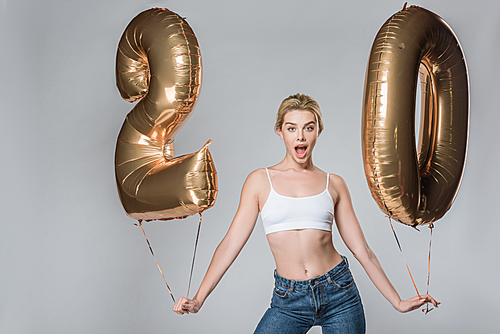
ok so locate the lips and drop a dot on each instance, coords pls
(300, 151)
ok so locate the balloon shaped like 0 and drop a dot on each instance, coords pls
(159, 62)
(415, 190)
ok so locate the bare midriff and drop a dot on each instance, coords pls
(303, 254)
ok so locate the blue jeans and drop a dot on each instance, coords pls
(331, 301)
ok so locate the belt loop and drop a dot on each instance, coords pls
(329, 279)
(292, 286)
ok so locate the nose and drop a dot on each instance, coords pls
(300, 135)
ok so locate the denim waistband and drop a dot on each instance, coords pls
(306, 284)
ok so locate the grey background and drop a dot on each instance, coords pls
(72, 262)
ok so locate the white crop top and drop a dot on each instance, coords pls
(282, 213)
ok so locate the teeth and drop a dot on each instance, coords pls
(300, 151)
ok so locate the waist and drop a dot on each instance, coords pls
(305, 284)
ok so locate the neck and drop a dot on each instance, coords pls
(290, 163)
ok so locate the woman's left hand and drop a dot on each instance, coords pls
(415, 303)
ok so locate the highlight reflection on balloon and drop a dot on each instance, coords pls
(159, 63)
(415, 190)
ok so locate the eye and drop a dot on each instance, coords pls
(291, 128)
(310, 128)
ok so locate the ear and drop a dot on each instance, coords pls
(319, 132)
(280, 133)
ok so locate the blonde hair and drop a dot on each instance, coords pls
(298, 102)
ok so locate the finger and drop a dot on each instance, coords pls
(435, 302)
(183, 311)
(432, 300)
(177, 310)
(178, 307)
(180, 312)
(187, 305)
(416, 299)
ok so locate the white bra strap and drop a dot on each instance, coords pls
(269, 177)
(327, 180)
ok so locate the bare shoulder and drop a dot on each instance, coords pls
(256, 187)
(337, 187)
(337, 180)
(258, 176)
(256, 181)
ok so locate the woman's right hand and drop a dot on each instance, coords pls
(186, 306)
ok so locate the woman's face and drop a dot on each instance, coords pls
(299, 132)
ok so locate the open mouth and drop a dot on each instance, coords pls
(300, 151)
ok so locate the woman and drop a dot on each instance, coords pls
(298, 203)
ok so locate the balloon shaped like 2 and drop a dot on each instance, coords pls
(159, 63)
(411, 189)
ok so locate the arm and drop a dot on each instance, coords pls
(236, 237)
(353, 237)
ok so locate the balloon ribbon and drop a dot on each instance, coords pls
(401, 250)
(192, 264)
(152, 253)
(194, 255)
(427, 310)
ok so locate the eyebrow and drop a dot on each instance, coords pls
(290, 123)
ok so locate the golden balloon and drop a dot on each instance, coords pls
(415, 188)
(159, 63)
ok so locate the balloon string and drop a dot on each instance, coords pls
(152, 253)
(401, 250)
(427, 310)
(194, 255)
